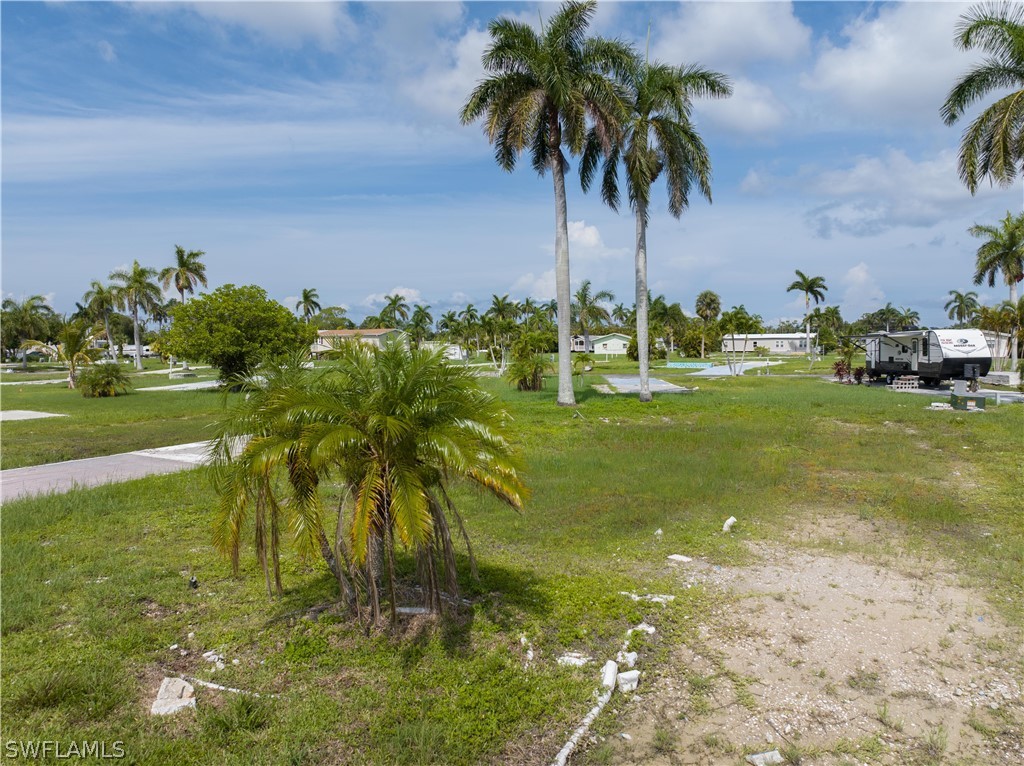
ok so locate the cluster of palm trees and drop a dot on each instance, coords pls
(598, 99)
(138, 289)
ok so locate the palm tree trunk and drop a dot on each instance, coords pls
(807, 323)
(703, 329)
(138, 343)
(640, 266)
(110, 339)
(566, 397)
(1013, 341)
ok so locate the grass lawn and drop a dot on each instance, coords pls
(103, 426)
(95, 581)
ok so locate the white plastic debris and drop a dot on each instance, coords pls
(574, 659)
(727, 526)
(628, 680)
(626, 658)
(625, 736)
(609, 674)
(172, 647)
(175, 694)
(659, 533)
(765, 759)
(654, 598)
(680, 558)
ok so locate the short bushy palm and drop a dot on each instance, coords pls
(1002, 252)
(73, 347)
(396, 427)
(708, 306)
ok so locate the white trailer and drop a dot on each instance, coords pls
(932, 355)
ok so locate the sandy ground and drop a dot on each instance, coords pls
(834, 659)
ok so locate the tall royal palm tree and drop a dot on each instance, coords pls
(811, 287)
(1002, 252)
(187, 272)
(136, 290)
(908, 318)
(708, 307)
(308, 303)
(395, 311)
(540, 91)
(962, 307)
(396, 427)
(992, 145)
(588, 311)
(101, 300)
(29, 319)
(658, 137)
(890, 315)
(419, 323)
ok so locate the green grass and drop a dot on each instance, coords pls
(102, 426)
(95, 582)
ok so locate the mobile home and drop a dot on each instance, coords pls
(932, 355)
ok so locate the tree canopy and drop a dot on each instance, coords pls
(233, 328)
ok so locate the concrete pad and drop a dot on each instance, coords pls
(719, 371)
(630, 384)
(35, 382)
(95, 471)
(28, 415)
(183, 386)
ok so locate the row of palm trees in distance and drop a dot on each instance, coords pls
(136, 289)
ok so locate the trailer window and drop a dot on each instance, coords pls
(924, 347)
(915, 347)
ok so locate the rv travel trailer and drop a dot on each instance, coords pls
(932, 355)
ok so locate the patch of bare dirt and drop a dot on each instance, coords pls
(835, 659)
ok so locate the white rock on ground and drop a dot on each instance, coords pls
(766, 759)
(680, 558)
(175, 694)
(626, 658)
(727, 526)
(573, 658)
(629, 680)
(609, 674)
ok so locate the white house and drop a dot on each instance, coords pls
(775, 342)
(450, 350)
(328, 339)
(612, 344)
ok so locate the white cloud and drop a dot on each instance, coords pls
(443, 87)
(107, 52)
(861, 292)
(725, 36)
(586, 244)
(409, 294)
(898, 64)
(753, 109)
(288, 24)
(879, 192)
(541, 287)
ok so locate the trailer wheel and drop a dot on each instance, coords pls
(889, 379)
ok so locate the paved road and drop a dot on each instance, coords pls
(94, 471)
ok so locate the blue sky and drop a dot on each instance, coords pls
(318, 145)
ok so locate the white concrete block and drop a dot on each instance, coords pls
(727, 526)
(628, 680)
(609, 674)
(175, 694)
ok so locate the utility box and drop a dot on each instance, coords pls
(967, 402)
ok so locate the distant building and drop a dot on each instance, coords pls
(776, 343)
(450, 350)
(329, 339)
(612, 344)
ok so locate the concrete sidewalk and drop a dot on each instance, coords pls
(94, 471)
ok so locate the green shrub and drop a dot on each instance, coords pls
(103, 379)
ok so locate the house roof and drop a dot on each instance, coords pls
(596, 338)
(374, 333)
(778, 335)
